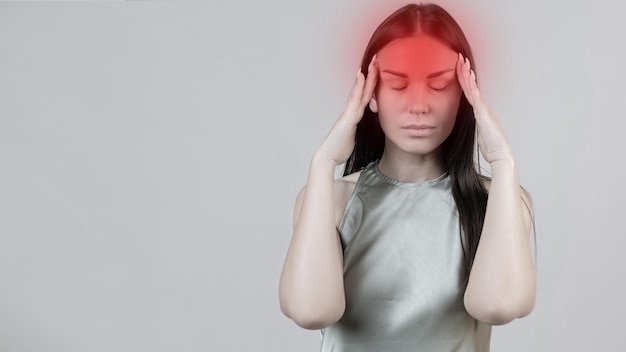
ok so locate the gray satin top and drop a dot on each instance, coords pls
(403, 272)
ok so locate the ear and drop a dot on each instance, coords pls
(373, 104)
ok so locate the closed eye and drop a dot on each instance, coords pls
(439, 84)
(397, 84)
(398, 87)
(438, 87)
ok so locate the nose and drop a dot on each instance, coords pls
(418, 103)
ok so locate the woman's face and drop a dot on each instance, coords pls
(418, 95)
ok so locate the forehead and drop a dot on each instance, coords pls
(421, 54)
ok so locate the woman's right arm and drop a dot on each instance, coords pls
(311, 288)
(311, 285)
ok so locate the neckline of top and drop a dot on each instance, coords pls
(421, 184)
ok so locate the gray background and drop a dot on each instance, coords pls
(151, 152)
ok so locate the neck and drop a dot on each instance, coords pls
(410, 168)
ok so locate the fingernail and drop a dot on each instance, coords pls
(358, 72)
(369, 67)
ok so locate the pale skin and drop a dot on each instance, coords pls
(401, 87)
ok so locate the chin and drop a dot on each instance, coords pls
(425, 148)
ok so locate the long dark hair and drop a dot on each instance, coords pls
(468, 189)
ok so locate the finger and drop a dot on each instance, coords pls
(474, 86)
(469, 79)
(462, 77)
(370, 83)
(480, 109)
(459, 72)
(356, 92)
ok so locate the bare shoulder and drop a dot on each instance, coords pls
(486, 181)
(343, 190)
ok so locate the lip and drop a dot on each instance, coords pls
(418, 130)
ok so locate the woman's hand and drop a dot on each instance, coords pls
(339, 143)
(491, 138)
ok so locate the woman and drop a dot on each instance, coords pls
(412, 250)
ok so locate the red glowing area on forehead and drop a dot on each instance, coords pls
(419, 56)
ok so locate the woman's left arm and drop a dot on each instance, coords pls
(502, 282)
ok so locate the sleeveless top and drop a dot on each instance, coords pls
(403, 271)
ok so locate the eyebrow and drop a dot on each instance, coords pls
(432, 75)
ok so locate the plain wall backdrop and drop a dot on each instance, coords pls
(151, 153)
